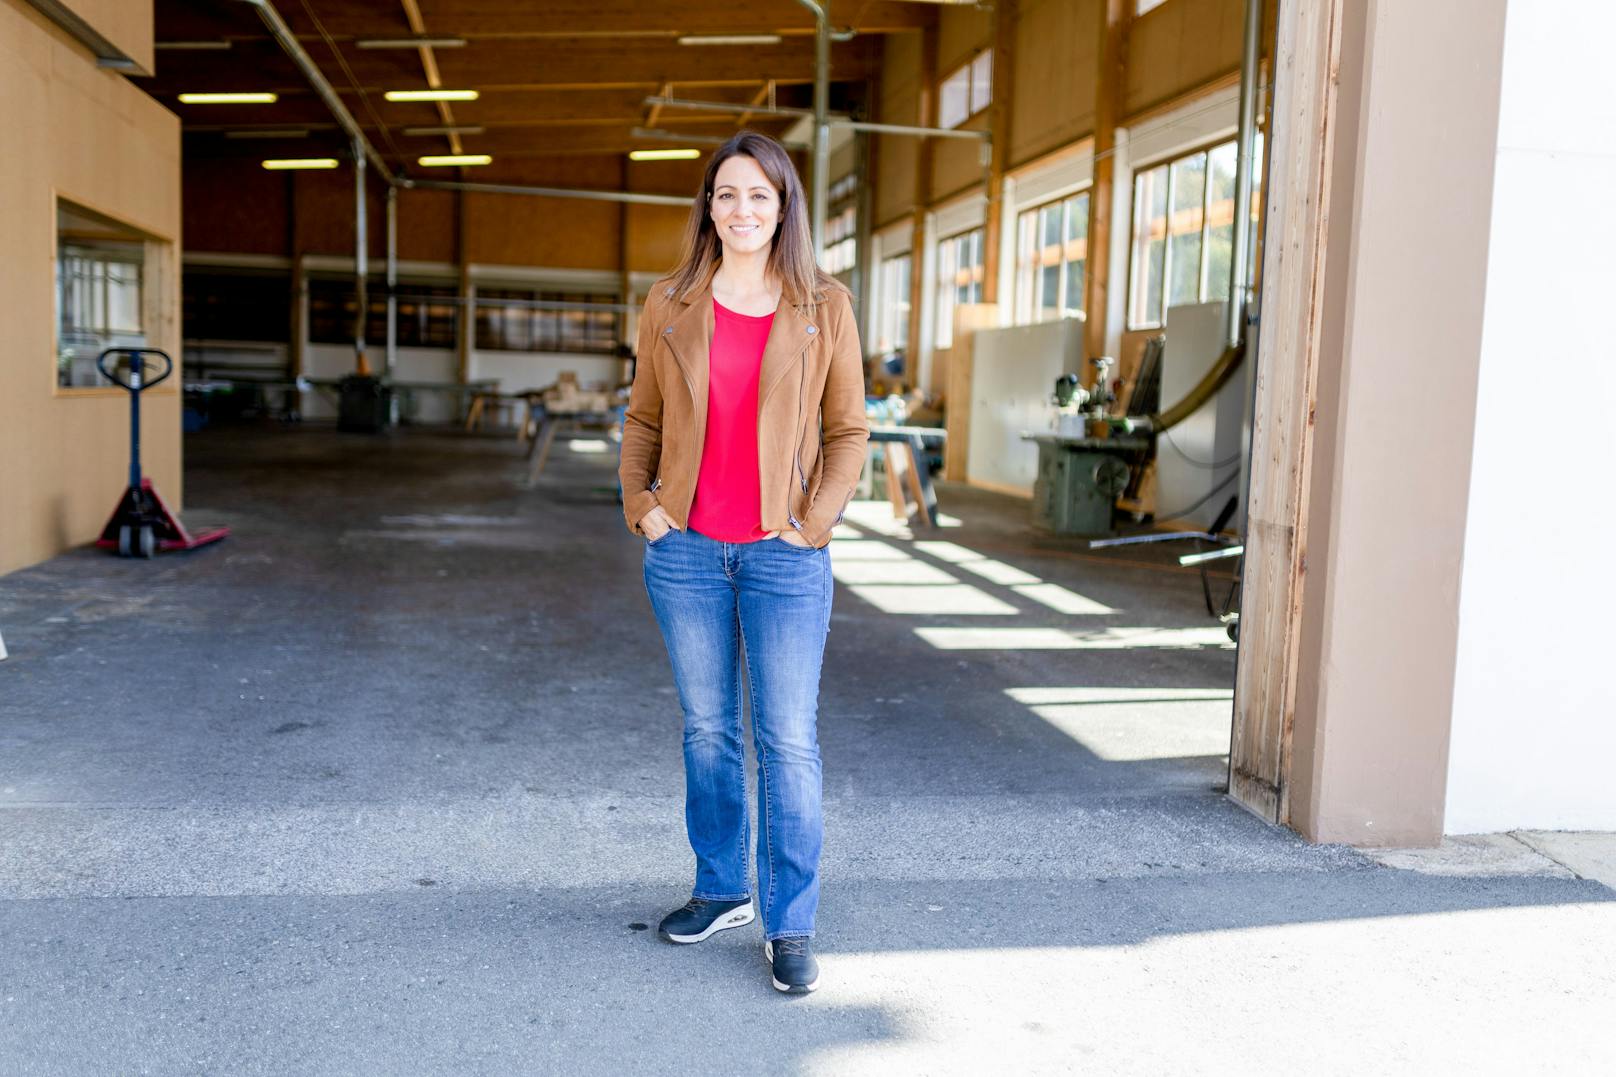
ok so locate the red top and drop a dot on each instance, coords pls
(729, 502)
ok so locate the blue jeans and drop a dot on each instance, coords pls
(769, 602)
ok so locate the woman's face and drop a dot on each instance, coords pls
(745, 207)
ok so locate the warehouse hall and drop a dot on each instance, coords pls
(1164, 691)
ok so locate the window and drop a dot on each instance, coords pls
(1142, 6)
(967, 90)
(1051, 259)
(515, 320)
(841, 241)
(428, 315)
(106, 275)
(893, 332)
(959, 280)
(1183, 232)
(221, 304)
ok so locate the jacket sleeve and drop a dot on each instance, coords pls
(845, 429)
(642, 429)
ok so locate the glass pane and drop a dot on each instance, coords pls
(1049, 292)
(1073, 300)
(1026, 265)
(1050, 229)
(1148, 256)
(982, 82)
(1219, 220)
(954, 102)
(1184, 249)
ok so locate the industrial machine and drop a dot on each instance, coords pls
(1080, 477)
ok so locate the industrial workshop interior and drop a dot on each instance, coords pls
(1214, 667)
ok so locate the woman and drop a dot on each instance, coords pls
(743, 441)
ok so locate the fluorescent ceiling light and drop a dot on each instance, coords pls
(411, 43)
(289, 163)
(455, 159)
(730, 39)
(194, 45)
(227, 98)
(431, 95)
(287, 133)
(663, 155)
(452, 129)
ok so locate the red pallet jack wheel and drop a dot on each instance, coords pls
(141, 525)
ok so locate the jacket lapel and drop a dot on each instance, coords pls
(690, 336)
(788, 337)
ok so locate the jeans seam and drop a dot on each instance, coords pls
(720, 897)
(740, 744)
(767, 894)
(788, 935)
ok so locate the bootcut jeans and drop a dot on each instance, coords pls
(767, 602)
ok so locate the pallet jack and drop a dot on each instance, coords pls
(141, 525)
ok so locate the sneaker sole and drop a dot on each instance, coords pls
(737, 918)
(798, 989)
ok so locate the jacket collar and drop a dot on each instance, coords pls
(690, 335)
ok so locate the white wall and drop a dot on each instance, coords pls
(1534, 718)
(1013, 374)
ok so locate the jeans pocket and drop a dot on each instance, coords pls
(793, 547)
(661, 538)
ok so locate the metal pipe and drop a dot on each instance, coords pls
(1244, 151)
(903, 129)
(392, 281)
(361, 260)
(721, 106)
(820, 187)
(288, 41)
(547, 192)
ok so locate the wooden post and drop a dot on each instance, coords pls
(1297, 196)
(467, 336)
(925, 153)
(1116, 15)
(1004, 88)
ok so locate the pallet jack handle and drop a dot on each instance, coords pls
(135, 385)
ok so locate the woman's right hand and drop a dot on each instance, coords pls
(656, 523)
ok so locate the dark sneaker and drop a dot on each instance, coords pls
(700, 918)
(792, 963)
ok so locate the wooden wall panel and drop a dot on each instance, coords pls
(125, 23)
(86, 134)
(896, 156)
(426, 226)
(961, 33)
(654, 235)
(1179, 46)
(1057, 63)
(522, 230)
(235, 205)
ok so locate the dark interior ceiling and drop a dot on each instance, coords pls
(557, 79)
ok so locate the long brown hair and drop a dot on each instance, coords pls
(791, 250)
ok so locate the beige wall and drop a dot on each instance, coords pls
(1057, 45)
(1406, 252)
(89, 135)
(125, 23)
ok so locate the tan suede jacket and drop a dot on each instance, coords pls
(811, 425)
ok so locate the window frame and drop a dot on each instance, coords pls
(968, 68)
(949, 284)
(1204, 148)
(1028, 301)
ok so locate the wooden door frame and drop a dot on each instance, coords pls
(1301, 144)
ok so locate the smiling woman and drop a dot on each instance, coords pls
(743, 441)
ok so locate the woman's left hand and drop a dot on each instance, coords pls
(791, 538)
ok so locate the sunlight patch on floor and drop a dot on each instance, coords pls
(1060, 639)
(937, 600)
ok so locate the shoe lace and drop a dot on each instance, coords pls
(695, 904)
(792, 947)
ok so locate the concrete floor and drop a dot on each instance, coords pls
(389, 782)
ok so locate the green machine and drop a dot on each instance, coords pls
(1079, 481)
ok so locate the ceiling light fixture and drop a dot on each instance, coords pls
(730, 39)
(451, 129)
(663, 155)
(228, 98)
(437, 160)
(431, 95)
(287, 164)
(410, 43)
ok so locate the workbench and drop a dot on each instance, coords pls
(1080, 479)
(906, 468)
